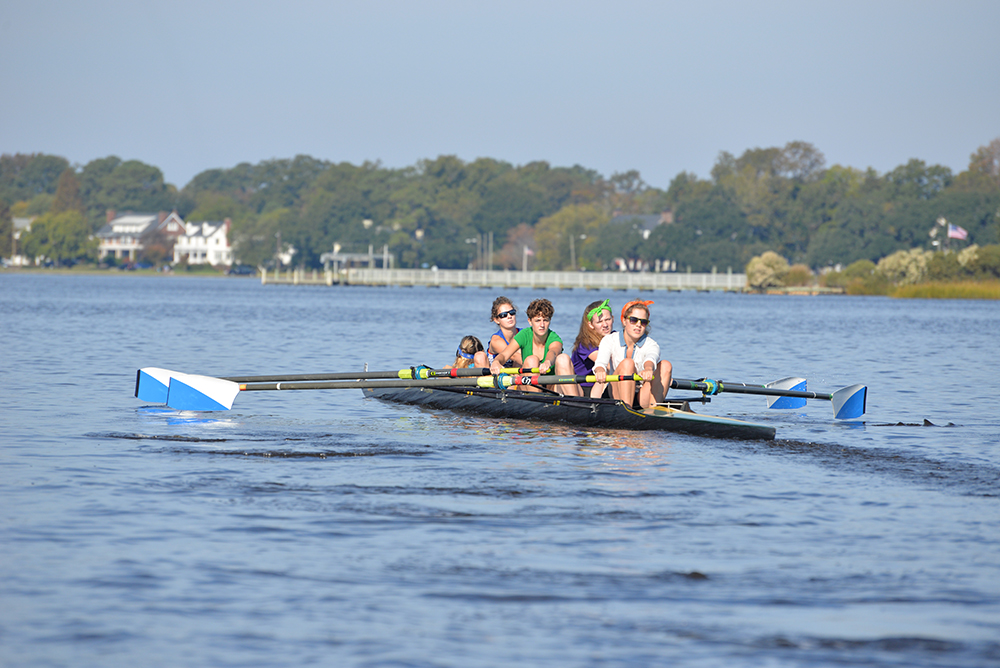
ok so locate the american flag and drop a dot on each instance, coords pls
(956, 232)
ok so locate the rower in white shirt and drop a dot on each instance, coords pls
(632, 351)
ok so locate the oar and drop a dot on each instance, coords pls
(192, 392)
(848, 402)
(412, 373)
(152, 383)
(500, 381)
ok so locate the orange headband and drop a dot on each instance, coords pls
(633, 303)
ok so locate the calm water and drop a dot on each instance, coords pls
(322, 528)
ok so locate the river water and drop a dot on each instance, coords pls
(324, 528)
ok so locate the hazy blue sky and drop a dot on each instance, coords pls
(661, 87)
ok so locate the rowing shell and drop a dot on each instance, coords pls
(580, 411)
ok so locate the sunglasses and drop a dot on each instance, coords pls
(511, 313)
(642, 321)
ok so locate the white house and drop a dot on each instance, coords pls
(124, 236)
(20, 226)
(205, 243)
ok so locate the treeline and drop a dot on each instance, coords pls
(439, 212)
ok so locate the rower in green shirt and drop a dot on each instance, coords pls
(539, 346)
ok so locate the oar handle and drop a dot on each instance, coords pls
(535, 379)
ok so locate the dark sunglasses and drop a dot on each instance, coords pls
(513, 311)
(642, 321)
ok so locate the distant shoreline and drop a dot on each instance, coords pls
(977, 290)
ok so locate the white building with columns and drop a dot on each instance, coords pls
(205, 243)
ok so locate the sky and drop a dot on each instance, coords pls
(659, 87)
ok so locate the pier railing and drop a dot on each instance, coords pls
(462, 278)
(588, 280)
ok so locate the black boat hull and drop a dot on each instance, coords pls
(579, 411)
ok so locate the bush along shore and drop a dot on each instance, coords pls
(971, 273)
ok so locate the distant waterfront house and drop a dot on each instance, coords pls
(18, 228)
(125, 236)
(205, 243)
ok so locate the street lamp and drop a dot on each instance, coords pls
(476, 241)
(572, 250)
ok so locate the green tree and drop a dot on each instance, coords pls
(23, 176)
(254, 239)
(110, 183)
(984, 169)
(574, 229)
(6, 230)
(215, 206)
(67, 196)
(62, 237)
(917, 180)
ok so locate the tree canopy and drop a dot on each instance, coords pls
(784, 199)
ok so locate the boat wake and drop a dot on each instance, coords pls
(326, 445)
(973, 479)
(131, 436)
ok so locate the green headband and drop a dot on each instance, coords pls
(594, 311)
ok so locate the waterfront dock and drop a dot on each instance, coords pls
(462, 278)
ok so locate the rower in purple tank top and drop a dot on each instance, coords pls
(597, 322)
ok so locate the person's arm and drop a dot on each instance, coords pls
(550, 357)
(497, 344)
(504, 356)
(650, 357)
(602, 360)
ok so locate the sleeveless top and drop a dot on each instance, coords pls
(489, 352)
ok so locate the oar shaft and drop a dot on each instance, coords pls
(500, 381)
(366, 384)
(745, 388)
(402, 374)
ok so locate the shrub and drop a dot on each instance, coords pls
(905, 267)
(861, 269)
(766, 270)
(987, 262)
(798, 275)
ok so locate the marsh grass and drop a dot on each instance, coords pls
(942, 290)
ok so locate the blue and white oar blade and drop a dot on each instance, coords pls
(188, 392)
(151, 384)
(849, 402)
(797, 384)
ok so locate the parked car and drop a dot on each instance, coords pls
(241, 270)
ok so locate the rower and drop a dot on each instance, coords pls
(504, 314)
(597, 322)
(467, 350)
(633, 351)
(538, 346)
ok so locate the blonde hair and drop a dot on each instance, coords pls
(470, 345)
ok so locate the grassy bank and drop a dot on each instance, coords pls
(92, 269)
(960, 290)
